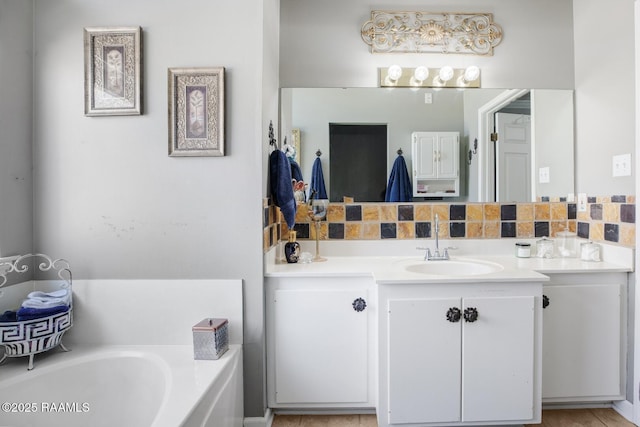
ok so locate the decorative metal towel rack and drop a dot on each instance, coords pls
(30, 337)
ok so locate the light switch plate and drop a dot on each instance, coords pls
(582, 202)
(428, 98)
(622, 165)
(543, 175)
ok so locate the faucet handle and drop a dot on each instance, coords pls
(446, 251)
(427, 254)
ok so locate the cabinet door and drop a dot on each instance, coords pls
(498, 359)
(581, 342)
(424, 154)
(320, 347)
(424, 361)
(447, 155)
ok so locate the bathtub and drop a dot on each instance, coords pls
(137, 386)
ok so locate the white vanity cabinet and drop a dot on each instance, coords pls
(584, 344)
(459, 354)
(436, 160)
(321, 341)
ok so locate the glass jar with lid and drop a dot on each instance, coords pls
(567, 244)
(523, 249)
(545, 248)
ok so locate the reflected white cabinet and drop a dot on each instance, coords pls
(468, 358)
(584, 345)
(436, 162)
(321, 342)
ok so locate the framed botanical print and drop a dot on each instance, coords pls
(112, 69)
(196, 111)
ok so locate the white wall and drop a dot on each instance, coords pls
(16, 39)
(107, 196)
(605, 96)
(321, 46)
(553, 133)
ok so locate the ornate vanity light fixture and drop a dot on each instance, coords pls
(396, 76)
(425, 32)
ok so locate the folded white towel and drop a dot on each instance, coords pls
(59, 296)
(60, 293)
(33, 303)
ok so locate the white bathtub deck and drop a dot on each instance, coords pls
(189, 382)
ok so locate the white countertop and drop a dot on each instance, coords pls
(392, 269)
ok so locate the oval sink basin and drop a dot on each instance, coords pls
(454, 267)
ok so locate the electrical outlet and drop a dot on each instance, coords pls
(582, 202)
(428, 98)
(622, 165)
(543, 175)
(571, 198)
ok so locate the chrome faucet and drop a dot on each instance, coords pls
(436, 256)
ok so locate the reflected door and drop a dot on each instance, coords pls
(513, 157)
(357, 162)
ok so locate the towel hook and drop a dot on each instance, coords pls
(399, 151)
(472, 152)
(318, 153)
(272, 139)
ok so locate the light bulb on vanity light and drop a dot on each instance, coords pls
(394, 73)
(471, 73)
(420, 74)
(445, 74)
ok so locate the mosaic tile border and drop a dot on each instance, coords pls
(607, 219)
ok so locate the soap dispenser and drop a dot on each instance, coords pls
(292, 248)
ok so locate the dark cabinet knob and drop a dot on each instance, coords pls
(454, 315)
(545, 301)
(470, 314)
(359, 304)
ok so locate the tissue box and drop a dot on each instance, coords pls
(210, 339)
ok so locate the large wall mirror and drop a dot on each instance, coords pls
(541, 119)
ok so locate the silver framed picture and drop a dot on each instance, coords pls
(196, 111)
(112, 57)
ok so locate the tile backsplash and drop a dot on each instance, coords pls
(607, 218)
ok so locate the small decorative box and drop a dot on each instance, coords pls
(210, 339)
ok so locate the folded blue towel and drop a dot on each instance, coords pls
(317, 180)
(25, 313)
(281, 187)
(9, 316)
(399, 186)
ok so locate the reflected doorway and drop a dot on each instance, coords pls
(357, 161)
(513, 157)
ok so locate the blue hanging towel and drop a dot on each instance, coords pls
(296, 172)
(399, 187)
(317, 180)
(281, 187)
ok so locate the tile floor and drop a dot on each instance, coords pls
(550, 418)
(325, 421)
(600, 417)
